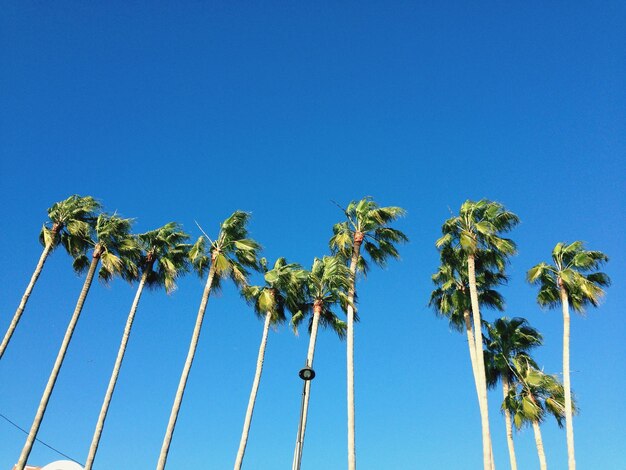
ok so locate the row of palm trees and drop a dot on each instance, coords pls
(102, 244)
(474, 253)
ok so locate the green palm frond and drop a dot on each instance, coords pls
(70, 223)
(534, 394)
(508, 342)
(164, 256)
(365, 217)
(232, 254)
(327, 282)
(451, 297)
(479, 227)
(117, 249)
(571, 270)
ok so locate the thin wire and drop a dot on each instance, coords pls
(40, 441)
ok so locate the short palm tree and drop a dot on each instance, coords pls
(270, 301)
(508, 340)
(366, 225)
(534, 395)
(573, 280)
(229, 255)
(164, 257)
(324, 286)
(479, 228)
(113, 249)
(69, 225)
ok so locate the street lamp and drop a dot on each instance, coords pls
(306, 374)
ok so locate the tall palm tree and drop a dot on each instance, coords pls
(326, 285)
(270, 301)
(479, 228)
(534, 395)
(506, 341)
(113, 249)
(573, 280)
(229, 255)
(163, 259)
(68, 225)
(366, 225)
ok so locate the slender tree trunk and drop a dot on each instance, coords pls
(471, 344)
(167, 440)
(356, 249)
(317, 311)
(32, 435)
(569, 425)
(253, 393)
(20, 309)
(480, 366)
(539, 442)
(116, 371)
(508, 424)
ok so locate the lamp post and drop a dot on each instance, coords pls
(306, 374)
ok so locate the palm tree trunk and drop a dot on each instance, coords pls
(539, 442)
(356, 248)
(508, 425)
(20, 309)
(116, 371)
(317, 311)
(253, 393)
(471, 344)
(167, 440)
(480, 366)
(569, 425)
(32, 435)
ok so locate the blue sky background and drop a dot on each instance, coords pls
(190, 110)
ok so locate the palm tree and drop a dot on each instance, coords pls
(506, 341)
(163, 259)
(227, 256)
(366, 225)
(114, 250)
(69, 224)
(269, 301)
(573, 280)
(533, 395)
(325, 286)
(478, 228)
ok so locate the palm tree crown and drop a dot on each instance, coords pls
(571, 270)
(165, 256)
(368, 223)
(112, 244)
(280, 292)
(507, 340)
(451, 297)
(478, 227)
(232, 254)
(325, 285)
(537, 395)
(70, 223)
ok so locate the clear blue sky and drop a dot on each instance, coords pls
(189, 110)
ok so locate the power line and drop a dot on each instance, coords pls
(40, 441)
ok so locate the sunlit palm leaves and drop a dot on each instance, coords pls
(70, 223)
(327, 284)
(451, 297)
(576, 270)
(371, 222)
